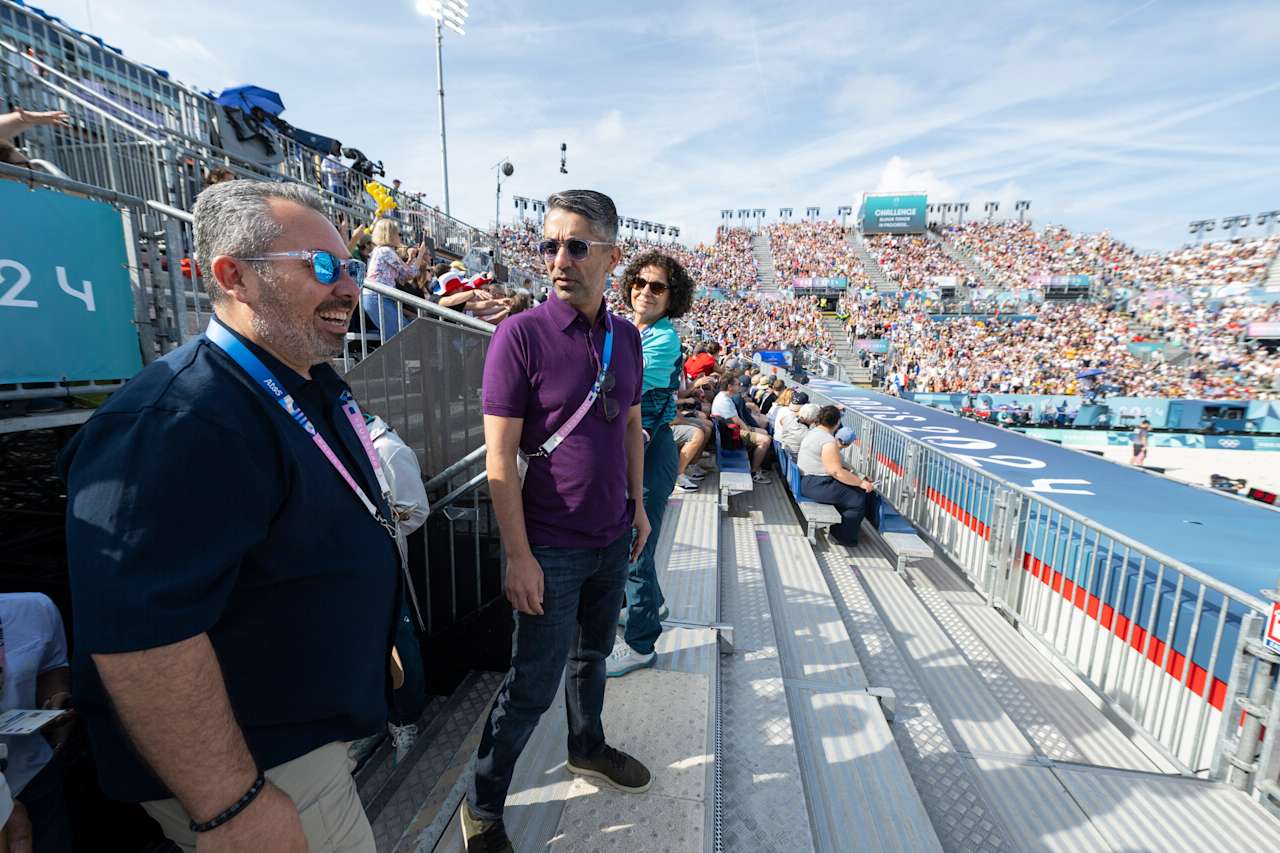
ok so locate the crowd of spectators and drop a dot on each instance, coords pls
(1015, 256)
(1047, 349)
(822, 249)
(726, 264)
(911, 261)
(753, 323)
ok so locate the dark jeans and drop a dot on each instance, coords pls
(644, 596)
(582, 594)
(850, 500)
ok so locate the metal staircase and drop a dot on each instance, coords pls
(871, 266)
(763, 254)
(1273, 271)
(845, 354)
(964, 259)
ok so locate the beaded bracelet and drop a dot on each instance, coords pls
(239, 806)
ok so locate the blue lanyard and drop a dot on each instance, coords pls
(262, 376)
(608, 354)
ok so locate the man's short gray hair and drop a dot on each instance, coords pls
(596, 207)
(234, 218)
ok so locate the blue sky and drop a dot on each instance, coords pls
(1136, 116)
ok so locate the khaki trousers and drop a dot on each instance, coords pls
(319, 783)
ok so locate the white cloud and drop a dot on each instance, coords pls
(899, 175)
(609, 130)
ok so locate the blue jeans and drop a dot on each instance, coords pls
(382, 313)
(582, 594)
(644, 596)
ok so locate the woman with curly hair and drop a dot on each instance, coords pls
(657, 290)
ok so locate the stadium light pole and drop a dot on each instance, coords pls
(961, 207)
(1231, 223)
(814, 212)
(1198, 227)
(991, 207)
(759, 215)
(540, 210)
(1022, 207)
(1269, 219)
(785, 212)
(844, 210)
(451, 14)
(505, 170)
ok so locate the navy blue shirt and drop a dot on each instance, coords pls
(197, 505)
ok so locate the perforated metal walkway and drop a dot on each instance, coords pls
(859, 709)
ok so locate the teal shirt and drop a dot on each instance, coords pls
(661, 348)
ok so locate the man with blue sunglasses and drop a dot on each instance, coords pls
(234, 573)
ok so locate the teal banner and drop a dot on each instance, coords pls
(894, 214)
(66, 304)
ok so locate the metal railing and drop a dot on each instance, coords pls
(111, 145)
(1169, 649)
(424, 379)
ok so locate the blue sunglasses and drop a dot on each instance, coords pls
(326, 266)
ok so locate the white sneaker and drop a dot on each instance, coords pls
(625, 659)
(761, 477)
(689, 485)
(402, 737)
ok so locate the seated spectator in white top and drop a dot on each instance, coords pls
(36, 676)
(756, 442)
(796, 429)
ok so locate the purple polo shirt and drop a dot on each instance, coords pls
(540, 367)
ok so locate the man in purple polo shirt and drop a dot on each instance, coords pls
(569, 534)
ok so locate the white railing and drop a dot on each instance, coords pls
(1171, 650)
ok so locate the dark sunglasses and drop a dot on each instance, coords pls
(608, 405)
(577, 247)
(657, 288)
(326, 266)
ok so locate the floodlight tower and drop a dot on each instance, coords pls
(1199, 227)
(844, 210)
(504, 170)
(1231, 223)
(1269, 218)
(1022, 207)
(991, 207)
(451, 14)
(961, 207)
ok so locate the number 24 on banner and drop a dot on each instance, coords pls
(10, 290)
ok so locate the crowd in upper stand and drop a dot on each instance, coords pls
(911, 260)
(725, 264)
(804, 249)
(1047, 351)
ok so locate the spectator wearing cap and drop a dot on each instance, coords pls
(657, 289)
(567, 369)
(825, 479)
(181, 626)
(386, 268)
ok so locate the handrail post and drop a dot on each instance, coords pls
(1241, 664)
